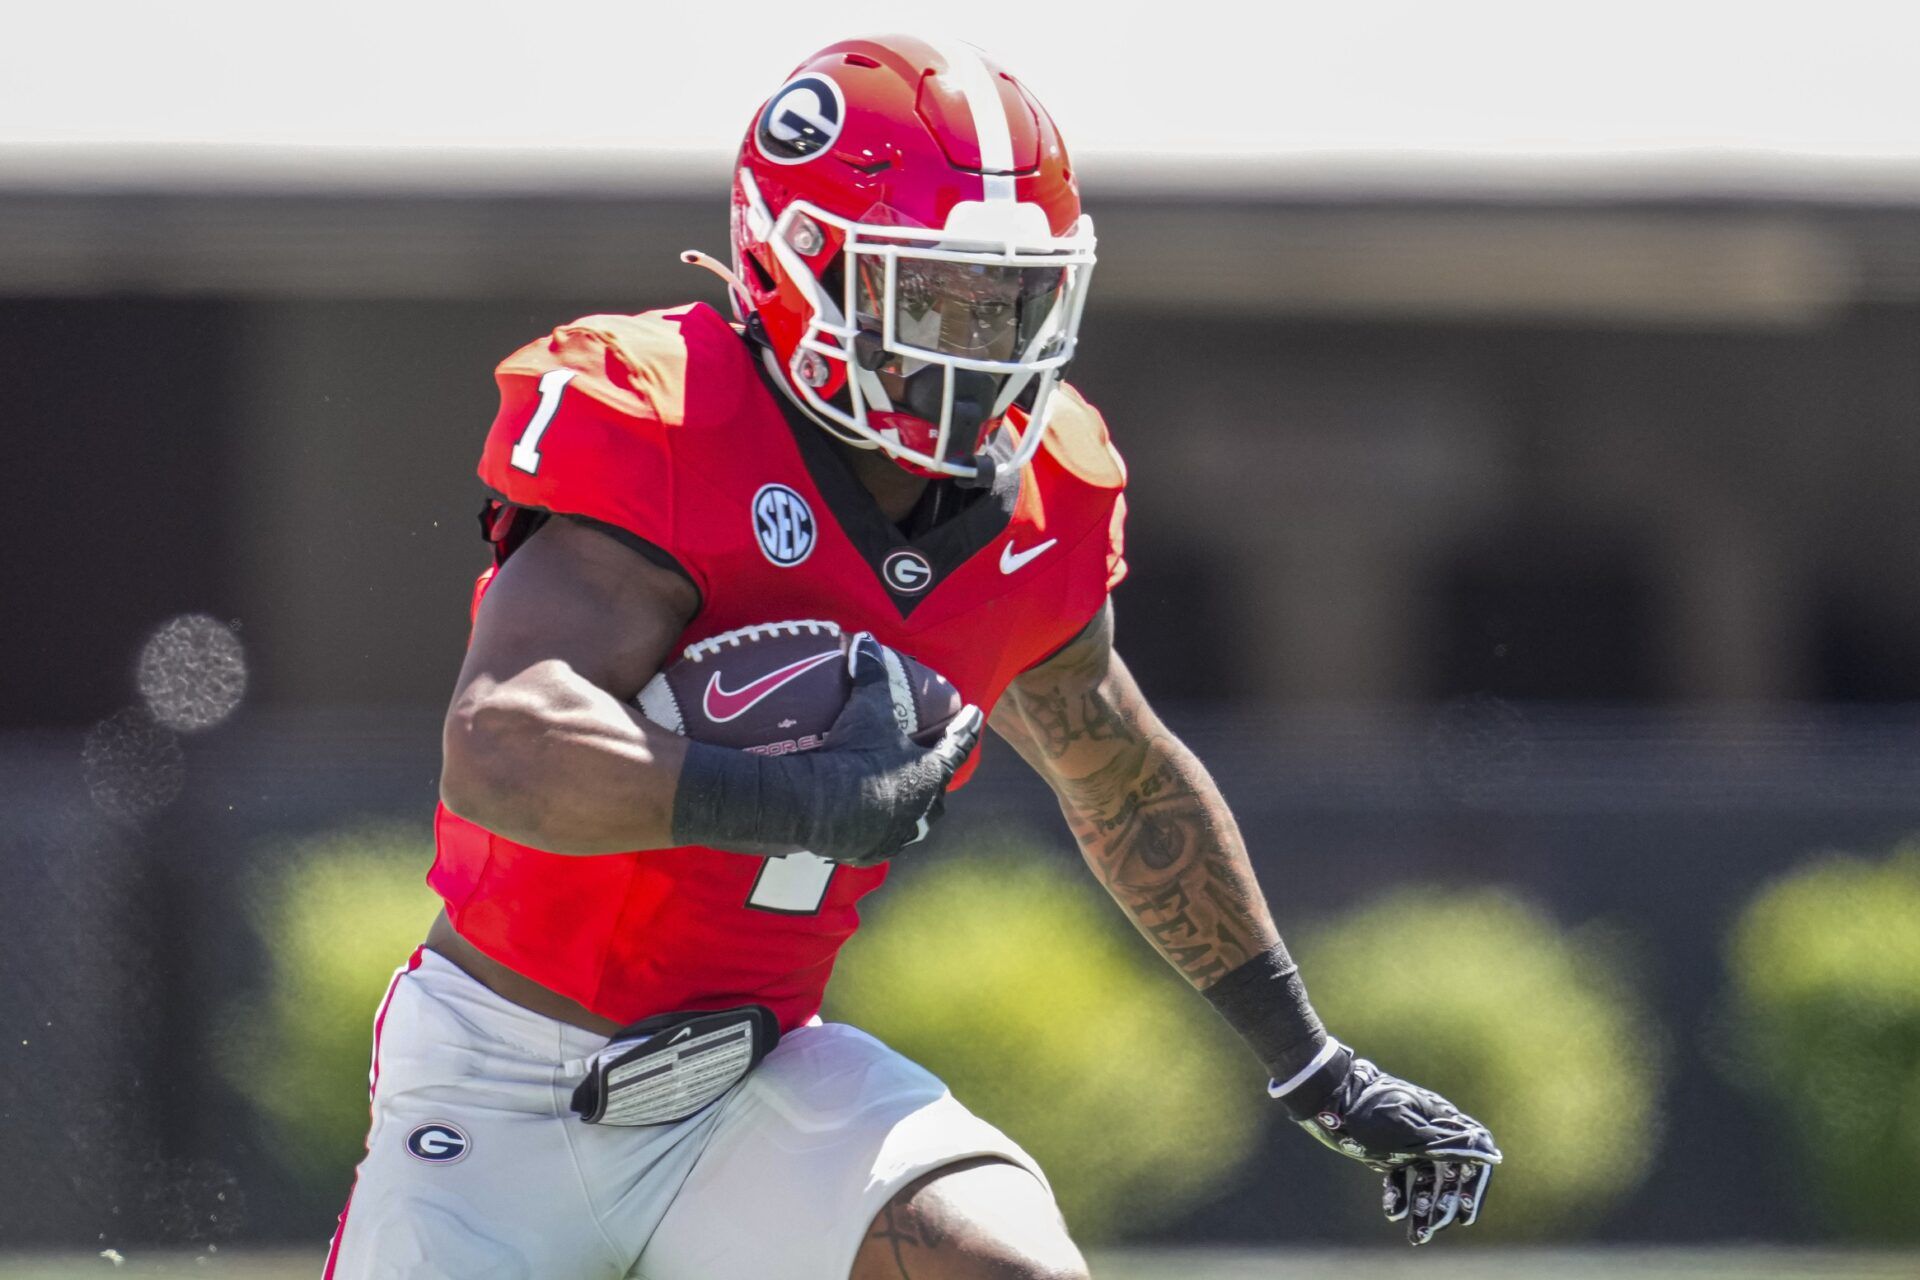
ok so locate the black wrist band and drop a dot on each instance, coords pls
(1266, 1002)
(737, 800)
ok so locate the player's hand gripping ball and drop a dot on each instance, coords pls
(776, 688)
(858, 742)
(1437, 1159)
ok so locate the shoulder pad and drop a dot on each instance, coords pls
(1077, 443)
(1077, 439)
(590, 415)
(635, 365)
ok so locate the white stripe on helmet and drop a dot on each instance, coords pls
(989, 112)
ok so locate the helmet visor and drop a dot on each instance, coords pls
(970, 310)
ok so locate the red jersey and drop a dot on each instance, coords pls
(661, 427)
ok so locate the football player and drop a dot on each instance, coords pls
(607, 1058)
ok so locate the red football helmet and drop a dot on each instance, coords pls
(907, 230)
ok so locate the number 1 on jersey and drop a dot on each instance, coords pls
(526, 450)
(795, 885)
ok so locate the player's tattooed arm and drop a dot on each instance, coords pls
(1153, 827)
(1149, 820)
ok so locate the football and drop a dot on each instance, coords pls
(777, 687)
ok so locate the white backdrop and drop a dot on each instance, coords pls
(1479, 77)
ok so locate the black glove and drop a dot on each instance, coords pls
(1437, 1160)
(880, 792)
(868, 793)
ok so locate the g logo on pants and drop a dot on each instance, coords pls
(438, 1143)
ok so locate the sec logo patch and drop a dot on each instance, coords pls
(438, 1143)
(783, 525)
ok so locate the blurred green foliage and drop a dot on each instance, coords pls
(1010, 975)
(1528, 1027)
(1825, 966)
(341, 911)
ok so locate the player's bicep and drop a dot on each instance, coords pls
(573, 596)
(542, 743)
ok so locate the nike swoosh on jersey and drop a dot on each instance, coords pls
(1011, 561)
(722, 705)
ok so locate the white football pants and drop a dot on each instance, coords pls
(477, 1168)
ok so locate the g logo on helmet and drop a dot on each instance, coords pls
(801, 121)
(438, 1143)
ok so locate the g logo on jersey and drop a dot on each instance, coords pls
(907, 572)
(438, 1143)
(801, 121)
(783, 525)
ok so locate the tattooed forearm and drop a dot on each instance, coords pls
(1150, 821)
(1168, 851)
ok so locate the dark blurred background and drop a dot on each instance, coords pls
(1565, 544)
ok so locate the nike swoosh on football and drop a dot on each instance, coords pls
(723, 704)
(1010, 560)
